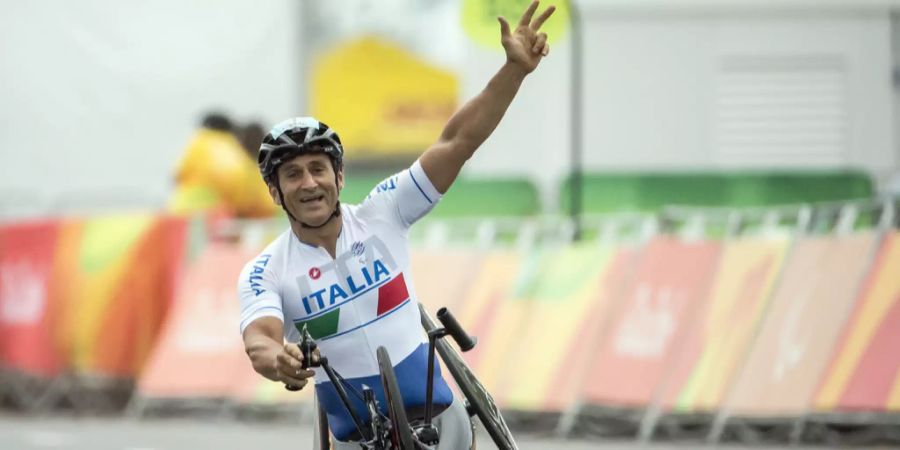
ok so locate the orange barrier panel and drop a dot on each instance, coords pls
(26, 311)
(656, 311)
(740, 292)
(809, 307)
(200, 352)
(114, 278)
(562, 292)
(442, 278)
(864, 368)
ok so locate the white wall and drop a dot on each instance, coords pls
(653, 77)
(99, 97)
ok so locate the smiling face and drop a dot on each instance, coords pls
(310, 187)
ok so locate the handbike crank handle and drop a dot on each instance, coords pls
(453, 327)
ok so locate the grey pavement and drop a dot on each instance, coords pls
(59, 432)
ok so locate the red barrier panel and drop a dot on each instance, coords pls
(27, 316)
(443, 278)
(655, 312)
(865, 366)
(815, 294)
(199, 352)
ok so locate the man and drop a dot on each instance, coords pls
(342, 271)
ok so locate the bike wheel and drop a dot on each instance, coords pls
(479, 399)
(401, 433)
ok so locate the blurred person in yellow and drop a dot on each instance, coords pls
(253, 199)
(217, 174)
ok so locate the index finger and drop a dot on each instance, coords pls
(542, 18)
(529, 13)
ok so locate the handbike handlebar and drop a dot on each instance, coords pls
(307, 346)
(453, 327)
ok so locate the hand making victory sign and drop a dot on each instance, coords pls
(526, 46)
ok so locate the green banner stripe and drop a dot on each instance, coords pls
(322, 326)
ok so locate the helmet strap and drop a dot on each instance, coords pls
(335, 213)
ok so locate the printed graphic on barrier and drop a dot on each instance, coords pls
(656, 312)
(27, 312)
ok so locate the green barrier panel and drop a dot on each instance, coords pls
(650, 192)
(358, 185)
(761, 189)
(467, 197)
(496, 197)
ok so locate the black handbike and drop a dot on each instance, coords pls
(394, 431)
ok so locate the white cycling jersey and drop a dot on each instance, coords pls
(353, 303)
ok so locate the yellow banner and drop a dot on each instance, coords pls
(381, 99)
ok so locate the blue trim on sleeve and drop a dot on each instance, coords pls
(420, 187)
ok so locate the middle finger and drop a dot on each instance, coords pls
(536, 25)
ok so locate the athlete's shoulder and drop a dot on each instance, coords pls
(268, 259)
(377, 203)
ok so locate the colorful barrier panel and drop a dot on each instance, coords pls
(654, 314)
(27, 312)
(809, 307)
(561, 293)
(864, 373)
(725, 326)
(200, 352)
(572, 376)
(113, 279)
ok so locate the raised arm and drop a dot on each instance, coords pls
(476, 120)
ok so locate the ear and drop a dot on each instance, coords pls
(340, 179)
(273, 191)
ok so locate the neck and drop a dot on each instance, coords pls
(325, 237)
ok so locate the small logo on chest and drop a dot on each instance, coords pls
(315, 273)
